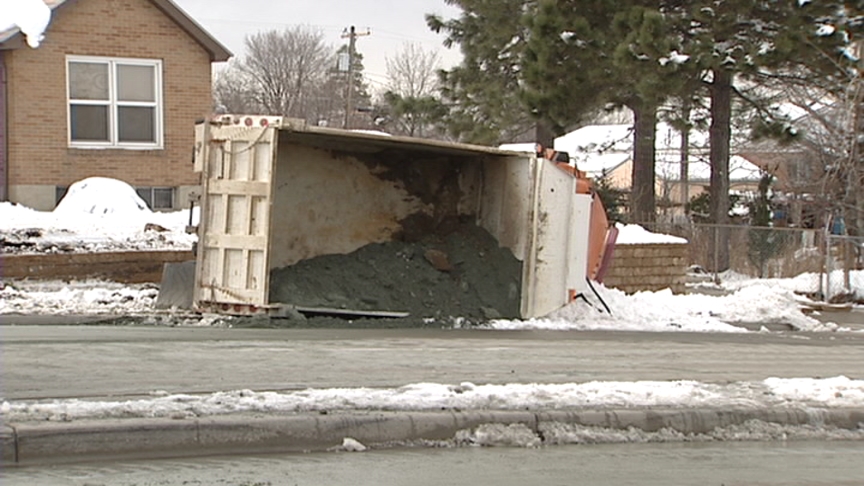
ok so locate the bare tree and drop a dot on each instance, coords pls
(822, 166)
(411, 97)
(282, 73)
(413, 71)
(234, 92)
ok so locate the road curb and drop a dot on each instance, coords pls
(52, 442)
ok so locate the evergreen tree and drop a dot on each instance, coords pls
(613, 199)
(582, 55)
(411, 104)
(481, 91)
(739, 40)
(763, 243)
(415, 116)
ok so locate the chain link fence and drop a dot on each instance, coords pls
(808, 256)
(840, 280)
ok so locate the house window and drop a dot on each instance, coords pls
(157, 197)
(115, 103)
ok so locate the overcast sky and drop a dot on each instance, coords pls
(392, 23)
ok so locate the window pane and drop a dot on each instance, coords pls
(163, 198)
(145, 193)
(136, 83)
(88, 81)
(136, 124)
(59, 193)
(89, 123)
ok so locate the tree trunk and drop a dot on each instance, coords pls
(685, 158)
(720, 137)
(543, 133)
(643, 203)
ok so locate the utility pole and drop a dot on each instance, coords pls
(352, 35)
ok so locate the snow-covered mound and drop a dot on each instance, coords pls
(97, 214)
(101, 195)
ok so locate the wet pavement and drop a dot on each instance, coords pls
(714, 464)
(111, 361)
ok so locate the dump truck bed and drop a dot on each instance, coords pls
(285, 193)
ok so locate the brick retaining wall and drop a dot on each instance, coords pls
(125, 266)
(649, 267)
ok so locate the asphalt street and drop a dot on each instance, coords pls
(835, 463)
(109, 361)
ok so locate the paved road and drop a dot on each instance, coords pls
(99, 361)
(795, 463)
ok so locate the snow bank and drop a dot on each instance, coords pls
(664, 311)
(97, 214)
(836, 392)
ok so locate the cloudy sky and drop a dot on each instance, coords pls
(392, 23)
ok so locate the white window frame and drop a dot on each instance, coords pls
(113, 104)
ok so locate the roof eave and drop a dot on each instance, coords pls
(12, 41)
(218, 52)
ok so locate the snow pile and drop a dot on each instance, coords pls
(752, 430)
(97, 214)
(89, 297)
(101, 196)
(30, 16)
(633, 234)
(803, 284)
(763, 303)
(772, 393)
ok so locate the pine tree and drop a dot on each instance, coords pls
(481, 92)
(583, 55)
(738, 41)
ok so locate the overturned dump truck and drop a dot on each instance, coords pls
(291, 214)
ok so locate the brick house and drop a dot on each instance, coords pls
(113, 91)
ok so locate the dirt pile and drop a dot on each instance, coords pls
(462, 273)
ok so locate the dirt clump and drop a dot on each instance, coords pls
(458, 273)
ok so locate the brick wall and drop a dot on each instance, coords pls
(648, 267)
(38, 127)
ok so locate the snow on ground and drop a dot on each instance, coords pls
(664, 311)
(97, 214)
(86, 297)
(771, 393)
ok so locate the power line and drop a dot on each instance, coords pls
(277, 24)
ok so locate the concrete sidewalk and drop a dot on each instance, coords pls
(57, 442)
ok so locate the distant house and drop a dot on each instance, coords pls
(113, 91)
(606, 152)
(810, 182)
